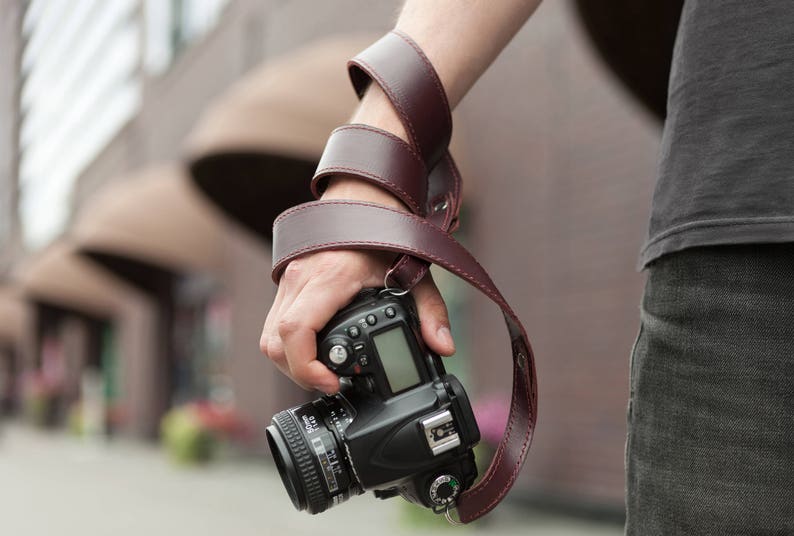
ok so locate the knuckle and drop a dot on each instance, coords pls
(275, 350)
(293, 272)
(331, 264)
(288, 326)
(263, 342)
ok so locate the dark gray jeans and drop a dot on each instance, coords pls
(710, 447)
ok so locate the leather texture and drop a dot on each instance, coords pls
(402, 70)
(421, 236)
(397, 64)
(388, 162)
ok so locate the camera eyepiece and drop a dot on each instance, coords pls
(309, 456)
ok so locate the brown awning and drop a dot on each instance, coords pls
(156, 216)
(636, 38)
(59, 275)
(14, 315)
(254, 151)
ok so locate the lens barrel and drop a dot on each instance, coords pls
(306, 445)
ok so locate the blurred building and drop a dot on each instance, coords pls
(145, 146)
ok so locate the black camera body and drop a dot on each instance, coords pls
(400, 426)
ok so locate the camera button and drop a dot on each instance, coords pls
(353, 331)
(337, 354)
(390, 312)
(372, 319)
(358, 347)
(363, 361)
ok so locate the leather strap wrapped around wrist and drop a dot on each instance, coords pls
(400, 68)
(424, 176)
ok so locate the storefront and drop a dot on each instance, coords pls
(70, 374)
(152, 231)
(14, 317)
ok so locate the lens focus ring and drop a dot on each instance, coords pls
(315, 498)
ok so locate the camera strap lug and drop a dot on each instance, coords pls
(447, 514)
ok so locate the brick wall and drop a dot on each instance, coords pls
(562, 162)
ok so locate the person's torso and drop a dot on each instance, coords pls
(726, 171)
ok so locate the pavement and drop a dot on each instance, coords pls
(52, 484)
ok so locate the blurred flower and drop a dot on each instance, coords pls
(224, 421)
(191, 432)
(492, 414)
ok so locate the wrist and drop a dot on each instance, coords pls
(376, 110)
(346, 187)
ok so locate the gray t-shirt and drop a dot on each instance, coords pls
(726, 172)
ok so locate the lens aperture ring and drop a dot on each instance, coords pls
(310, 478)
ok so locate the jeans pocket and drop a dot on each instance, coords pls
(632, 385)
(633, 367)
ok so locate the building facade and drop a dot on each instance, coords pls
(557, 159)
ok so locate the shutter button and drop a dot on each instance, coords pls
(337, 354)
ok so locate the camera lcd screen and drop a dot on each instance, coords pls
(398, 362)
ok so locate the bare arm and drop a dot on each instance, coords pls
(461, 38)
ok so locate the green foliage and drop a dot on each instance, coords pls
(186, 440)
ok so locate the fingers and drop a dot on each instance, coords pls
(310, 292)
(433, 316)
(269, 342)
(298, 327)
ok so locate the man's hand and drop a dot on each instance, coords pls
(461, 41)
(314, 287)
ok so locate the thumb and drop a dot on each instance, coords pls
(433, 316)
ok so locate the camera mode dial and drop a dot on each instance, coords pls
(444, 490)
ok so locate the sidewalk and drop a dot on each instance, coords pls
(55, 485)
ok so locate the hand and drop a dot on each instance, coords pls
(314, 287)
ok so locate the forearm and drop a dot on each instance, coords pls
(461, 38)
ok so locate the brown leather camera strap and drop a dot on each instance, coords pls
(410, 82)
(422, 236)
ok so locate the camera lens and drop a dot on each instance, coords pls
(307, 448)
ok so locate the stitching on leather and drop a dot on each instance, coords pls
(432, 71)
(405, 196)
(420, 272)
(410, 218)
(403, 265)
(456, 174)
(394, 100)
(508, 433)
(483, 484)
(456, 180)
(375, 130)
(517, 467)
(524, 377)
(419, 275)
(400, 248)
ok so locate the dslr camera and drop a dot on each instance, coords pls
(399, 426)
